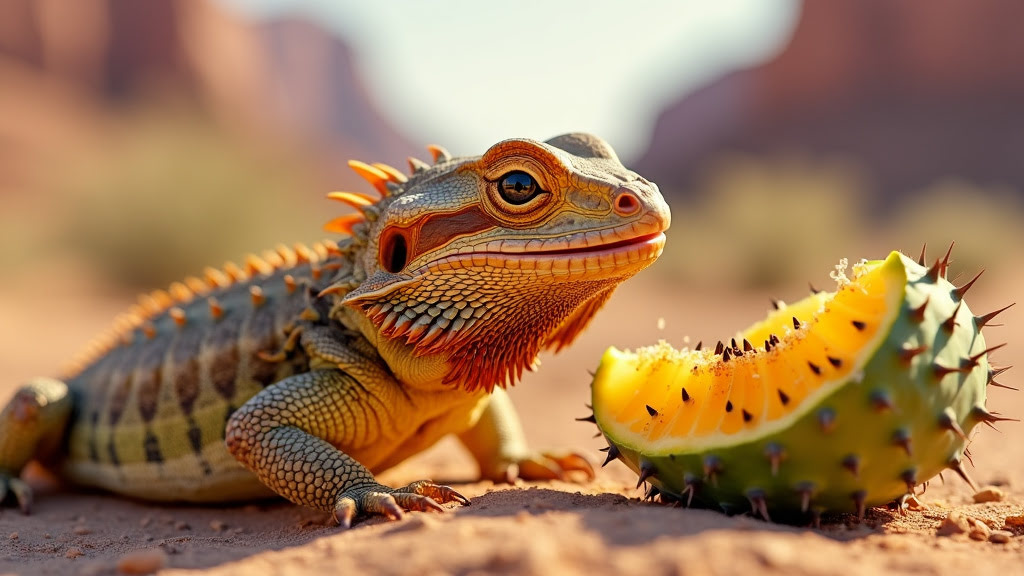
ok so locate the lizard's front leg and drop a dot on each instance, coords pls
(499, 446)
(31, 428)
(288, 433)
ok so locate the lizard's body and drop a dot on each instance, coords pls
(316, 368)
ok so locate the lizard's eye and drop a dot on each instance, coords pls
(518, 188)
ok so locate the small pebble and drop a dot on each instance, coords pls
(954, 523)
(13, 536)
(979, 530)
(1000, 537)
(989, 494)
(182, 525)
(145, 561)
(1015, 521)
(145, 521)
(73, 552)
(81, 530)
(218, 525)
(979, 534)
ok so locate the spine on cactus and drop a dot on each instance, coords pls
(841, 401)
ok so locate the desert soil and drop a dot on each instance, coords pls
(595, 527)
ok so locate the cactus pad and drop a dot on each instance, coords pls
(843, 400)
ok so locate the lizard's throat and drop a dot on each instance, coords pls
(487, 334)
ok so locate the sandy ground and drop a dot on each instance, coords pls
(598, 527)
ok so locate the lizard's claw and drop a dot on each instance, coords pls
(345, 511)
(22, 492)
(549, 466)
(416, 502)
(379, 500)
(438, 492)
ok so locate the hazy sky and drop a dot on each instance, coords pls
(467, 74)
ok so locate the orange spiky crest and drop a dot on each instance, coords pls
(343, 224)
(375, 176)
(385, 179)
(416, 165)
(353, 199)
(393, 174)
(438, 153)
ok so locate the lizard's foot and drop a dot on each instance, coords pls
(20, 490)
(544, 466)
(380, 500)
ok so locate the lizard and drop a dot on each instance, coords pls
(308, 370)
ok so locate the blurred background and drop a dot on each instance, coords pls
(141, 141)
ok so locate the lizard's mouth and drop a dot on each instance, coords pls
(657, 238)
(580, 262)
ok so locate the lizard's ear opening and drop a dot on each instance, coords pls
(394, 251)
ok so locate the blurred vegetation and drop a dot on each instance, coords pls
(758, 223)
(165, 193)
(986, 223)
(761, 222)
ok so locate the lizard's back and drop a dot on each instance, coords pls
(150, 405)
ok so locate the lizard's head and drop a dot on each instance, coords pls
(482, 262)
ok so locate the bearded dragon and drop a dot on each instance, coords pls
(308, 370)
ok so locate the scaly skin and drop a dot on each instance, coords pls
(315, 369)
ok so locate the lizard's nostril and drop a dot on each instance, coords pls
(626, 203)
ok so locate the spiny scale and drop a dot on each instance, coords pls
(139, 319)
(845, 407)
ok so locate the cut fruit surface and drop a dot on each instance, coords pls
(740, 395)
(844, 399)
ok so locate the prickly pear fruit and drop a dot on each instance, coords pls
(843, 400)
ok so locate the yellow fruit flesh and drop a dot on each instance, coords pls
(758, 392)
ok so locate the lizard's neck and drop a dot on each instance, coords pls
(425, 373)
(413, 371)
(499, 336)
